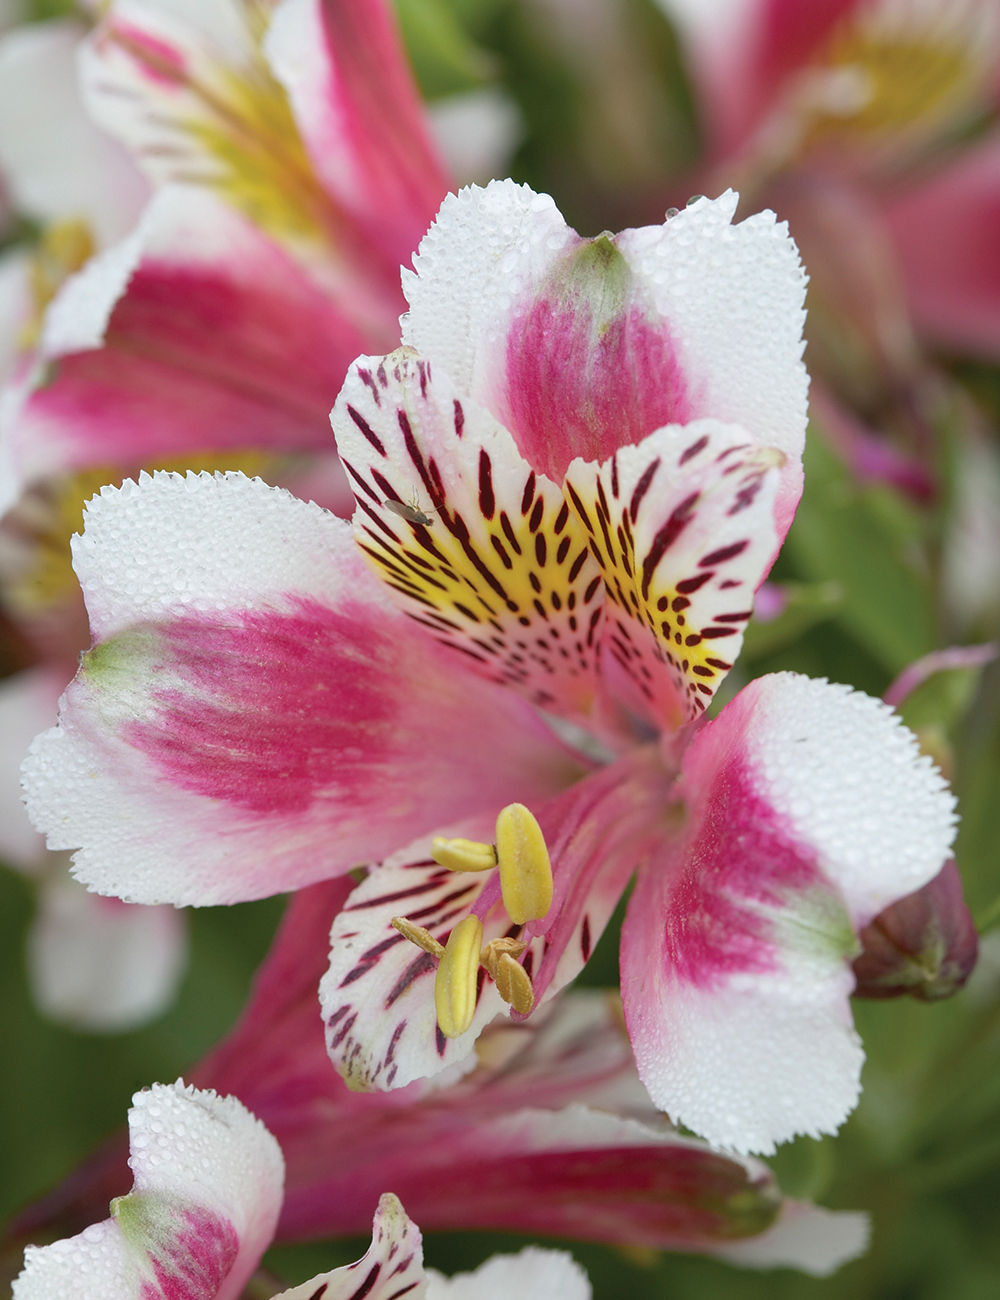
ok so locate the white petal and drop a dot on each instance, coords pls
(28, 704)
(208, 1189)
(807, 1237)
(101, 965)
(533, 1274)
(57, 163)
(477, 132)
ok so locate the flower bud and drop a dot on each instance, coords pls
(924, 944)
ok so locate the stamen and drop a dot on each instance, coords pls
(514, 984)
(418, 935)
(458, 977)
(463, 855)
(525, 871)
(496, 948)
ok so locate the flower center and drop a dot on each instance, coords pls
(522, 857)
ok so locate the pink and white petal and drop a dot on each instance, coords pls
(683, 527)
(532, 1274)
(29, 702)
(207, 1192)
(195, 333)
(256, 714)
(56, 164)
(807, 1237)
(498, 569)
(377, 997)
(809, 808)
(345, 71)
(101, 965)
(393, 1265)
(582, 346)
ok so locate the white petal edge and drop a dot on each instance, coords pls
(194, 1149)
(810, 1238)
(100, 965)
(853, 785)
(29, 702)
(532, 1274)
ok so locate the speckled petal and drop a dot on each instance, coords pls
(473, 544)
(683, 528)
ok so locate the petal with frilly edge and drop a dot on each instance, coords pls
(474, 545)
(683, 528)
(202, 1211)
(532, 1274)
(808, 807)
(256, 714)
(196, 332)
(582, 346)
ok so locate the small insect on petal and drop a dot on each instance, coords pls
(514, 984)
(463, 855)
(418, 935)
(458, 977)
(525, 871)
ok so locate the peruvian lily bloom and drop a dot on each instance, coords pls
(293, 172)
(885, 110)
(516, 635)
(550, 1134)
(202, 1211)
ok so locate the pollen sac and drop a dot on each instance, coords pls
(525, 872)
(514, 984)
(457, 978)
(418, 935)
(463, 855)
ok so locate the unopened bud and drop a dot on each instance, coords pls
(463, 855)
(924, 945)
(458, 978)
(525, 872)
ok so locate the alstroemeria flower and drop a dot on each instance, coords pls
(884, 107)
(551, 1134)
(208, 1187)
(269, 703)
(293, 172)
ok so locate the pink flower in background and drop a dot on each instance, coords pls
(551, 1133)
(881, 105)
(274, 698)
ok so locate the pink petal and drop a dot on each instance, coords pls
(197, 333)
(684, 528)
(257, 715)
(808, 809)
(696, 317)
(208, 1184)
(945, 234)
(499, 569)
(362, 121)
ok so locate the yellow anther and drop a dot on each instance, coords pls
(525, 873)
(457, 978)
(463, 855)
(514, 984)
(494, 950)
(418, 935)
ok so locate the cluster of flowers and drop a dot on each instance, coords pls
(455, 724)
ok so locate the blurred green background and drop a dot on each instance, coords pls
(866, 594)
